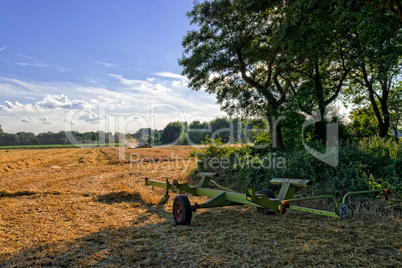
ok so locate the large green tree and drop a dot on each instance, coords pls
(174, 132)
(374, 53)
(233, 54)
(317, 72)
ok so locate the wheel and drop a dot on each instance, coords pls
(345, 212)
(266, 211)
(182, 212)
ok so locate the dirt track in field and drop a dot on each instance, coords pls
(90, 207)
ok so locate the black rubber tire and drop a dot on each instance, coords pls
(269, 194)
(182, 212)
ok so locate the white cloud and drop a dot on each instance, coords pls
(90, 106)
(44, 120)
(171, 75)
(89, 116)
(49, 102)
(1, 49)
(109, 65)
(18, 107)
(179, 83)
(61, 68)
(55, 101)
(31, 61)
(9, 105)
(28, 119)
(141, 85)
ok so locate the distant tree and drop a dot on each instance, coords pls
(173, 132)
(222, 128)
(94, 136)
(26, 138)
(9, 139)
(119, 137)
(142, 133)
(197, 131)
(63, 141)
(154, 137)
(1, 135)
(47, 138)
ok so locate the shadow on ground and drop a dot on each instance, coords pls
(120, 197)
(222, 237)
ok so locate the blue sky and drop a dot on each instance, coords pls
(95, 65)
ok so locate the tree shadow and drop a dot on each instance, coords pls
(104, 248)
(153, 240)
(217, 237)
(16, 194)
(10, 194)
(120, 197)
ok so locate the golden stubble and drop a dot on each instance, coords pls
(84, 207)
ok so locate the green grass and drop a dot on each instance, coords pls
(52, 146)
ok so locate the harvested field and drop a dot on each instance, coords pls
(90, 207)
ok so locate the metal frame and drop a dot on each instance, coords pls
(228, 197)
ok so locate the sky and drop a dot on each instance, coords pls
(95, 65)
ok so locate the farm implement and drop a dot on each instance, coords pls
(264, 200)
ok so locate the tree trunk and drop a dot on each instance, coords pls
(276, 133)
(319, 127)
(383, 124)
(278, 144)
(320, 130)
(384, 110)
(396, 135)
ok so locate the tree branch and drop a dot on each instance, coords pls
(281, 91)
(271, 99)
(399, 7)
(338, 89)
(392, 75)
(269, 72)
(372, 92)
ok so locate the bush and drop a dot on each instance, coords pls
(372, 163)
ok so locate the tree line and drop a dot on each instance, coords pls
(360, 124)
(61, 137)
(173, 133)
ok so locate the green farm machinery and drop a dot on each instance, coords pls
(264, 200)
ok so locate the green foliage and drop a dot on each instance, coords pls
(50, 138)
(174, 133)
(381, 148)
(197, 131)
(363, 123)
(232, 53)
(152, 136)
(370, 164)
(395, 108)
(50, 146)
